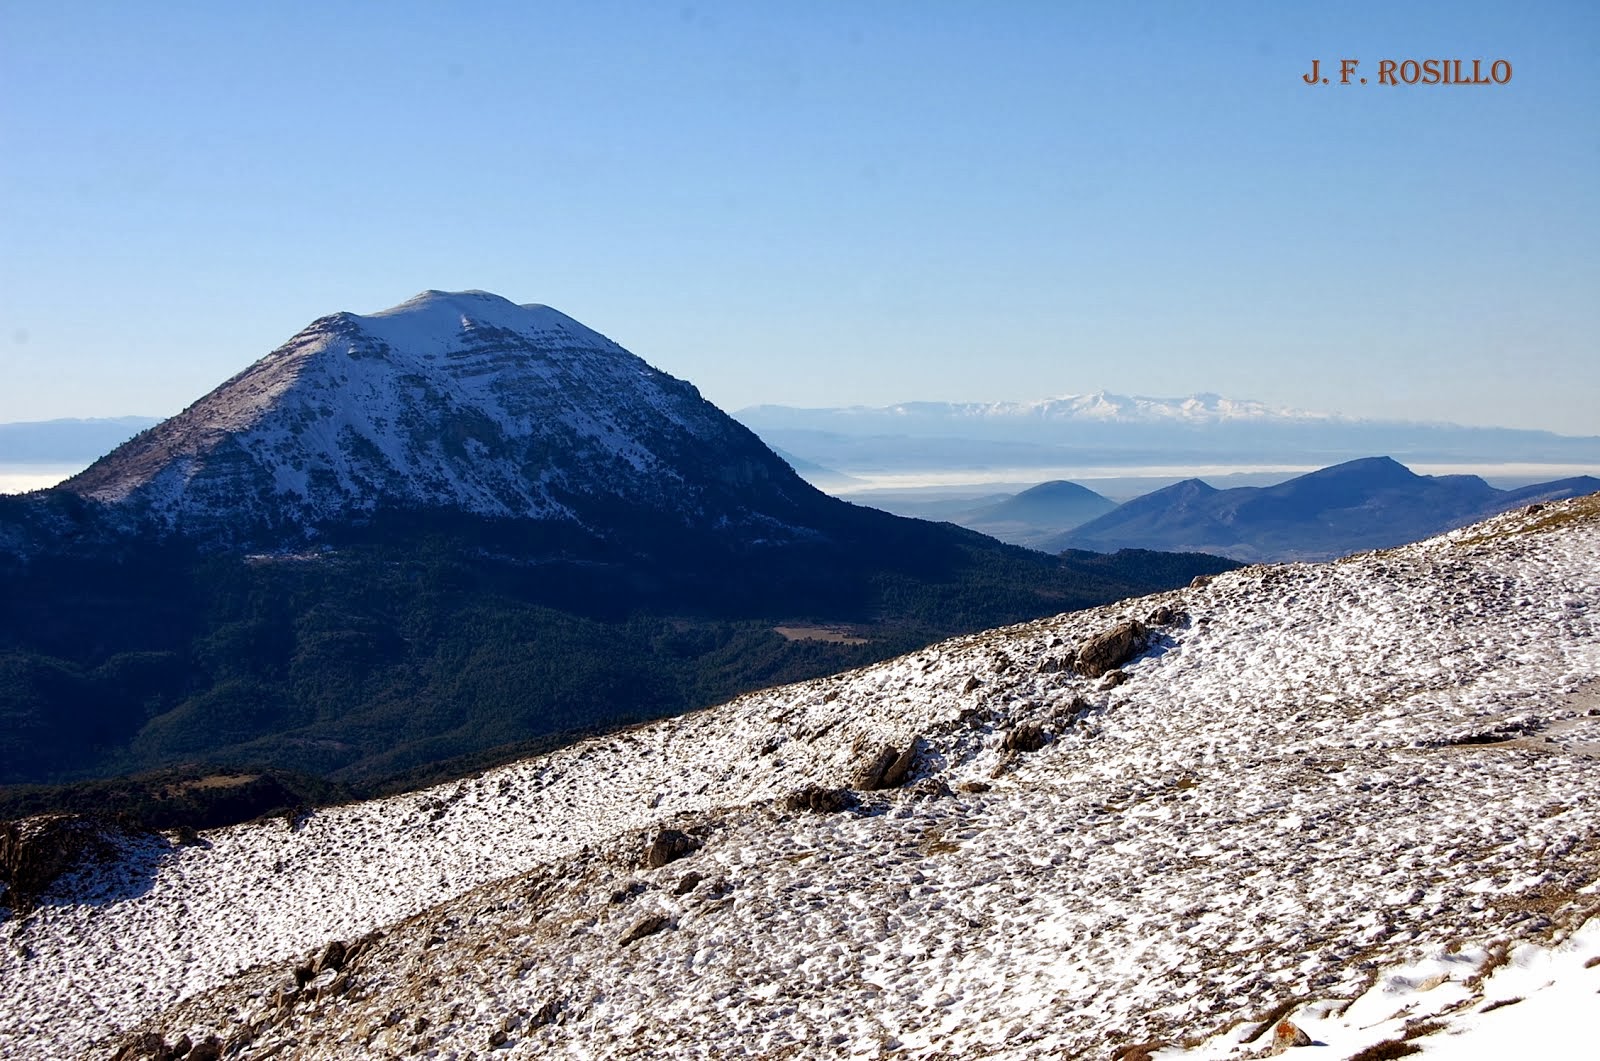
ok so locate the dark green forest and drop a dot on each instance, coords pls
(421, 650)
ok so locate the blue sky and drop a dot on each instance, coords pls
(818, 203)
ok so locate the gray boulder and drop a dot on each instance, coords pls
(1110, 649)
(888, 769)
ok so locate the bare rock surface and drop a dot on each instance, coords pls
(669, 845)
(887, 769)
(36, 851)
(1111, 648)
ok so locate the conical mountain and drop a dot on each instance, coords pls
(1056, 501)
(457, 401)
(1038, 513)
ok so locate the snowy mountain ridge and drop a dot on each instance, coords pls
(1100, 406)
(1310, 774)
(450, 400)
(1104, 430)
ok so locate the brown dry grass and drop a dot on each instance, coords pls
(832, 635)
(1418, 1028)
(1579, 510)
(215, 781)
(1385, 1050)
(1500, 1003)
(1138, 1051)
(1546, 899)
(1499, 955)
(934, 843)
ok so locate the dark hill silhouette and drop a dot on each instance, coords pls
(1058, 499)
(1372, 503)
(1038, 513)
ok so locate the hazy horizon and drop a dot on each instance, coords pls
(1332, 413)
(1117, 481)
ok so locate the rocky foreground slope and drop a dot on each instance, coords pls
(1314, 792)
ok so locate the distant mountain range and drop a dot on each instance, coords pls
(1368, 503)
(66, 441)
(1111, 429)
(1371, 503)
(841, 449)
(834, 448)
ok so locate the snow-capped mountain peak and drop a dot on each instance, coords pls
(445, 318)
(1094, 407)
(1105, 406)
(452, 400)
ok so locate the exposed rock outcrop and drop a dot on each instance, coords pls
(36, 851)
(820, 799)
(332, 957)
(648, 925)
(669, 845)
(1026, 737)
(1287, 1035)
(1111, 648)
(888, 769)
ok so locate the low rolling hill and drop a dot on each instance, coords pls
(1037, 514)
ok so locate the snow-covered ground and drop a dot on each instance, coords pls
(1532, 996)
(1280, 812)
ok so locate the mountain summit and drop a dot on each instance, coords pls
(452, 400)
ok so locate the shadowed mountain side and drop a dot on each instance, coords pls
(460, 525)
(415, 644)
